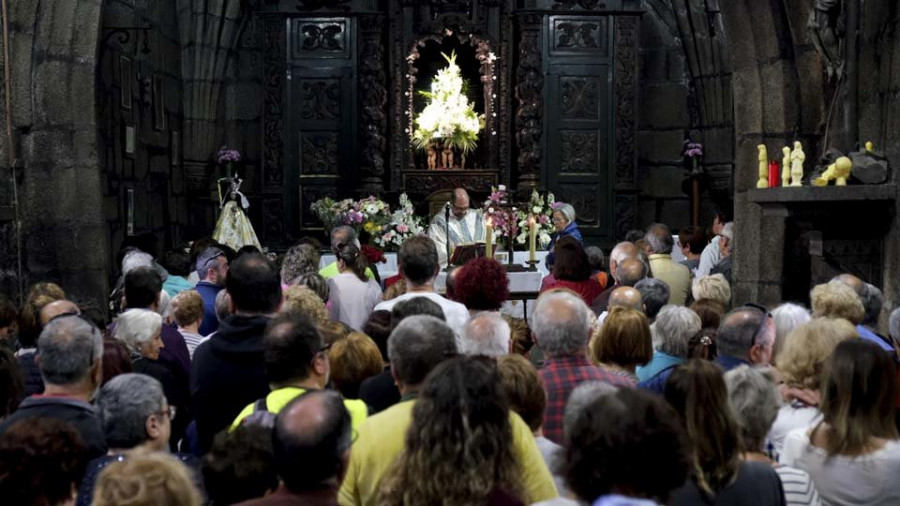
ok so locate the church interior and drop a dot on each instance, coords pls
(118, 117)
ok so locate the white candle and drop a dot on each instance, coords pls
(489, 239)
(532, 239)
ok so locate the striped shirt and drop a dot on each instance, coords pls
(798, 487)
(192, 340)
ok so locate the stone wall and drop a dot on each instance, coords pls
(685, 90)
(53, 49)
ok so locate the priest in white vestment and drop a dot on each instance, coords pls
(466, 225)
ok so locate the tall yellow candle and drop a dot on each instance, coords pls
(489, 240)
(532, 240)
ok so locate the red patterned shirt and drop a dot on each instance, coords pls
(563, 374)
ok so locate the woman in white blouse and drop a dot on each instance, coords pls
(353, 295)
(853, 454)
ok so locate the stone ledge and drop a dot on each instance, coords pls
(851, 193)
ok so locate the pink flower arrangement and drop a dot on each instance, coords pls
(226, 156)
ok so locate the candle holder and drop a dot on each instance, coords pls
(532, 265)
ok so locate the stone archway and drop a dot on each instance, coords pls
(53, 51)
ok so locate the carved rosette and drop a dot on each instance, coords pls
(529, 94)
(625, 79)
(373, 102)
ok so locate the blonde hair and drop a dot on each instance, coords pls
(801, 360)
(353, 360)
(624, 339)
(146, 480)
(137, 326)
(714, 287)
(187, 307)
(395, 290)
(837, 300)
(302, 299)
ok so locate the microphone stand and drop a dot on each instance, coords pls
(447, 232)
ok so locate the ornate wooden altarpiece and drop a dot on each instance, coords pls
(560, 103)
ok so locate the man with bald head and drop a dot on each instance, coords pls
(57, 308)
(746, 336)
(628, 272)
(311, 448)
(465, 226)
(624, 296)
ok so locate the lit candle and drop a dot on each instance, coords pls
(532, 239)
(489, 240)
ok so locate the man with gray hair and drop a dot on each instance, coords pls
(341, 236)
(69, 355)
(674, 327)
(562, 325)
(486, 334)
(212, 268)
(746, 336)
(658, 244)
(726, 247)
(654, 294)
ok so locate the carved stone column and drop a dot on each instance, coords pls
(372, 103)
(625, 79)
(529, 94)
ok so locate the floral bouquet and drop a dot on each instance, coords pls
(540, 208)
(368, 214)
(403, 224)
(227, 157)
(501, 213)
(449, 116)
(693, 151)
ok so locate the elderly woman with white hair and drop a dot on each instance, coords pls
(140, 330)
(755, 402)
(672, 332)
(787, 317)
(563, 219)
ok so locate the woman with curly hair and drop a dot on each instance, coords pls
(459, 448)
(300, 259)
(481, 285)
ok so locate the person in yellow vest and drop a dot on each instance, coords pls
(415, 348)
(296, 361)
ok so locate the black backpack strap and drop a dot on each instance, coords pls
(260, 405)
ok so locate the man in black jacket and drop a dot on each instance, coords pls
(69, 355)
(229, 369)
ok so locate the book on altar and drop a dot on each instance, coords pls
(465, 252)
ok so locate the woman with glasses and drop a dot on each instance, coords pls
(563, 220)
(853, 453)
(136, 419)
(140, 331)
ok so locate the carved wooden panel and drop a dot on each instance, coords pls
(573, 35)
(274, 69)
(273, 217)
(624, 214)
(318, 153)
(625, 78)
(320, 38)
(373, 102)
(529, 94)
(589, 202)
(580, 151)
(422, 183)
(320, 99)
(579, 97)
(575, 4)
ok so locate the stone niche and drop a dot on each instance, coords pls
(824, 232)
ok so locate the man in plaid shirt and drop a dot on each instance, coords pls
(562, 326)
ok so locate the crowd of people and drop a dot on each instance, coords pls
(230, 377)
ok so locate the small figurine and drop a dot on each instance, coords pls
(797, 159)
(763, 181)
(447, 157)
(839, 171)
(432, 157)
(786, 166)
